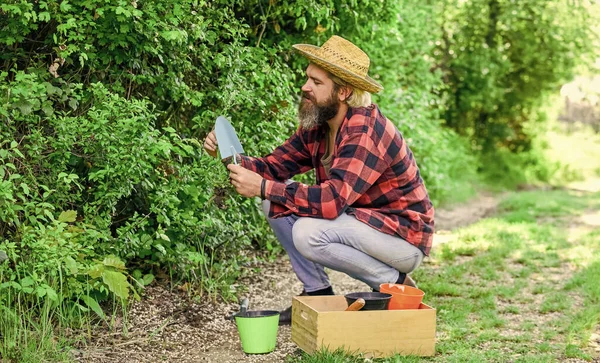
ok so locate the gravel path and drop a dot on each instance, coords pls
(167, 326)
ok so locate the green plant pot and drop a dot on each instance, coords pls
(258, 331)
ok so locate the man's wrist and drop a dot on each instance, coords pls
(263, 185)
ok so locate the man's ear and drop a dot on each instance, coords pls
(344, 93)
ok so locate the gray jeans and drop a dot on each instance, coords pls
(344, 244)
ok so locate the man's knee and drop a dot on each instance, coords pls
(304, 236)
(266, 205)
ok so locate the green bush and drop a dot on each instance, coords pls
(108, 103)
(500, 60)
(83, 190)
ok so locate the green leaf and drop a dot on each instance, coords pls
(48, 110)
(148, 278)
(51, 293)
(82, 308)
(25, 188)
(19, 153)
(27, 281)
(137, 273)
(113, 261)
(44, 16)
(25, 107)
(67, 216)
(49, 214)
(117, 283)
(96, 271)
(161, 248)
(13, 284)
(71, 265)
(93, 304)
(73, 103)
(122, 10)
(64, 6)
(9, 40)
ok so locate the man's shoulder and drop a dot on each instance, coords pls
(369, 120)
(359, 118)
(362, 112)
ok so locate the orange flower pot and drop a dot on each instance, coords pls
(403, 297)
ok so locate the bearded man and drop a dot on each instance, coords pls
(369, 214)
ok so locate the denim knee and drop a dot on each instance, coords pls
(303, 235)
(266, 205)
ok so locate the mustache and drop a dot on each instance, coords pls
(307, 96)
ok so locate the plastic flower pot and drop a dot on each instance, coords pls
(258, 330)
(403, 297)
(373, 300)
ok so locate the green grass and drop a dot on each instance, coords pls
(528, 207)
(514, 287)
(36, 329)
(29, 334)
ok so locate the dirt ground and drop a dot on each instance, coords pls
(167, 326)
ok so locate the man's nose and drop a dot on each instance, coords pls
(305, 88)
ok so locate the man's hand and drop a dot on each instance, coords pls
(210, 144)
(246, 182)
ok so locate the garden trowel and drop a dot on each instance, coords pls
(243, 308)
(227, 140)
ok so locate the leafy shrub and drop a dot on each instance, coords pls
(113, 97)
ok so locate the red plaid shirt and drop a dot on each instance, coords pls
(373, 177)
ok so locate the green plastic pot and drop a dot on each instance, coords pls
(258, 330)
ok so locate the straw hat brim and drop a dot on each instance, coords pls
(365, 83)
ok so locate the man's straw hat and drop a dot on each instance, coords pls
(343, 59)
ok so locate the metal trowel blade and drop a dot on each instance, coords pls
(228, 142)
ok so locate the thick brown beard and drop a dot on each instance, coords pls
(307, 114)
(311, 114)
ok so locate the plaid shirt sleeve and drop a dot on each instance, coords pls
(374, 177)
(291, 158)
(359, 164)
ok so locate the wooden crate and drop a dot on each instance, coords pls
(320, 321)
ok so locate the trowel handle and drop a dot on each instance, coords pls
(244, 305)
(243, 308)
(234, 155)
(357, 305)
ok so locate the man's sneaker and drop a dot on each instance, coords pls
(285, 316)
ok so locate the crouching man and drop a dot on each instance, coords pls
(369, 214)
